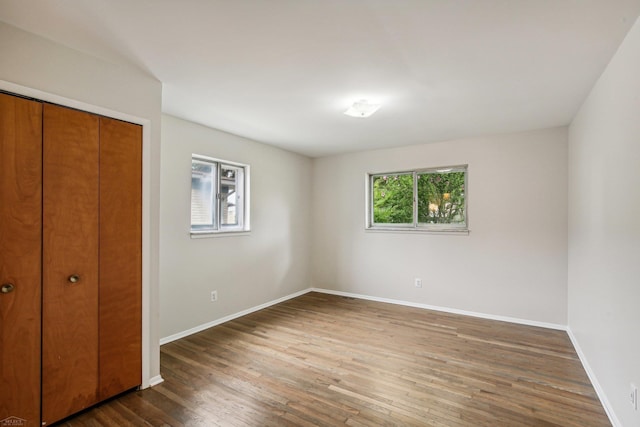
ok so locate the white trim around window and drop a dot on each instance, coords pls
(421, 200)
(220, 197)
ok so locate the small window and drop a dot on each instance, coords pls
(420, 200)
(219, 196)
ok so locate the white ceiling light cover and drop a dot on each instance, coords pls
(362, 109)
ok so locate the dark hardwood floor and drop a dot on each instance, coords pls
(324, 360)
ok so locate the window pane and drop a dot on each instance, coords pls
(441, 197)
(203, 190)
(393, 199)
(231, 185)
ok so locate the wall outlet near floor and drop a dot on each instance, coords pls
(417, 282)
(214, 296)
(633, 396)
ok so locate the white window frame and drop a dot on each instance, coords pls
(416, 226)
(216, 228)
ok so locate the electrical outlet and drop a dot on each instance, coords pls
(633, 396)
(417, 282)
(214, 296)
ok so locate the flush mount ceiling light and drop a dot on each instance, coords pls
(362, 109)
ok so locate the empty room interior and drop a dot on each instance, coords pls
(303, 213)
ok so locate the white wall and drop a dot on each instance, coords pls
(604, 228)
(38, 67)
(514, 261)
(271, 262)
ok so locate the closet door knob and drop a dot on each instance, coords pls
(74, 278)
(7, 288)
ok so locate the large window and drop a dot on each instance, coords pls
(219, 196)
(423, 200)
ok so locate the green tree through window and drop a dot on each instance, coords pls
(439, 195)
(393, 199)
(441, 198)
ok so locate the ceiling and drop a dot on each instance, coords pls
(283, 71)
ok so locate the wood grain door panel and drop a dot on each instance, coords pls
(70, 247)
(20, 257)
(120, 257)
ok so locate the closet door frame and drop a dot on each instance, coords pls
(150, 344)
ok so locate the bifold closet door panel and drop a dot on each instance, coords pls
(70, 262)
(120, 257)
(20, 258)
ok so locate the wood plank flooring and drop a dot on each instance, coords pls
(324, 360)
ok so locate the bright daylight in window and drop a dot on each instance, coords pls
(219, 196)
(418, 200)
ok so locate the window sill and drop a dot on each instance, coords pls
(209, 234)
(418, 230)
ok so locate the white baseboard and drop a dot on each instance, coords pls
(446, 309)
(594, 381)
(155, 381)
(216, 322)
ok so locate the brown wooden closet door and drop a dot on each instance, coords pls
(20, 258)
(70, 248)
(120, 257)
